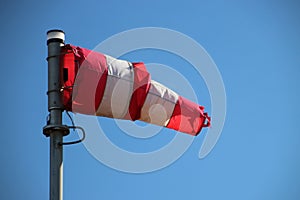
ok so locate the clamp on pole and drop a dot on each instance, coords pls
(48, 129)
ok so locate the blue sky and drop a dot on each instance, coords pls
(255, 45)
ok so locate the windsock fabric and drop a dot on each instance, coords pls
(98, 84)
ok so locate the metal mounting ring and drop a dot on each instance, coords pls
(47, 130)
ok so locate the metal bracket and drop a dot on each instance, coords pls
(48, 129)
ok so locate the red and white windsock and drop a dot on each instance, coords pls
(98, 84)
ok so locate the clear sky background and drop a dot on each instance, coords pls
(255, 45)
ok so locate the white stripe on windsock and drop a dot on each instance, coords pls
(118, 88)
(159, 105)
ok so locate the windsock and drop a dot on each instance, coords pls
(98, 84)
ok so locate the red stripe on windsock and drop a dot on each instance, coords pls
(187, 117)
(90, 81)
(141, 87)
(69, 73)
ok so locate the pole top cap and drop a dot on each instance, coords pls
(55, 35)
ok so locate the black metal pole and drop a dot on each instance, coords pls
(54, 129)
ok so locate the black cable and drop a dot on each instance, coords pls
(72, 121)
(74, 128)
(76, 141)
